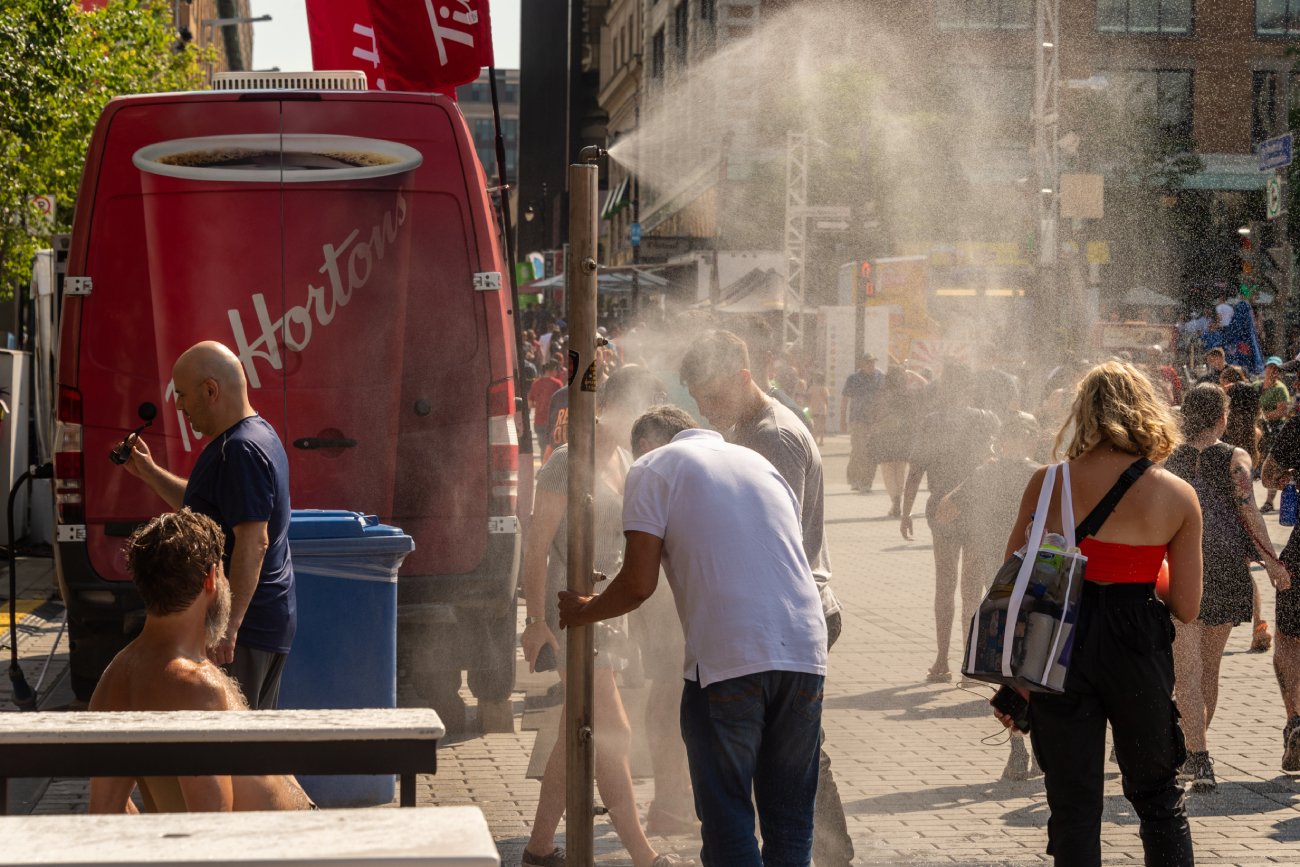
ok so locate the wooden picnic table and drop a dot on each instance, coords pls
(368, 837)
(400, 741)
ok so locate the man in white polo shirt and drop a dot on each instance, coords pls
(726, 526)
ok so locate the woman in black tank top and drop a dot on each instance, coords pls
(1233, 536)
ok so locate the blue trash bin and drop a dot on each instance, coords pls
(345, 652)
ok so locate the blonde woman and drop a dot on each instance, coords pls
(1122, 668)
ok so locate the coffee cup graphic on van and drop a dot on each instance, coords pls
(264, 240)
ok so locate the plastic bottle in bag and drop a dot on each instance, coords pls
(1289, 506)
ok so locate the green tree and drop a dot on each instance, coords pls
(58, 68)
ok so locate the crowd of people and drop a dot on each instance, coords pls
(1163, 465)
(737, 636)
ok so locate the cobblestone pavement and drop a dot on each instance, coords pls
(918, 765)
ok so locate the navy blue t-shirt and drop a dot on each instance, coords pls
(243, 475)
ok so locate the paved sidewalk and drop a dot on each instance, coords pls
(919, 782)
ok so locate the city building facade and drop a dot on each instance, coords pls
(1200, 78)
(476, 105)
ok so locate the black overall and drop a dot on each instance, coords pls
(1122, 671)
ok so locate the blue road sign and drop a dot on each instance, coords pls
(1275, 153)
(635, 232)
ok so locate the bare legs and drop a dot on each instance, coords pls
(1198, 651)
(1286, 665)
(894, 473)
(949, 562)
(613, 777)
(673, 796)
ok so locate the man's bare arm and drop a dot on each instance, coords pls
(140, 463)
(634, 584)
(251, 542)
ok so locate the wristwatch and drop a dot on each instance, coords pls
(530, 620)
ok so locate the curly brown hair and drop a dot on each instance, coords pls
(170, 556)
(1116, 403)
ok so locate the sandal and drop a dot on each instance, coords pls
(1261, 641)
(672, 861)
(1265, 508)
(554, 858)
(938, 676)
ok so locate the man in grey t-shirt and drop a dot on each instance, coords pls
(716, 373)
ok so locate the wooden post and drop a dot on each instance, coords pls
(581, 298)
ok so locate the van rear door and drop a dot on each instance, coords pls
(387, 401)
(165, 255)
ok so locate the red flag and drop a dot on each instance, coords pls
(343, 37)
(432, 45)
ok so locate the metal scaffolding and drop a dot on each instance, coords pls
(796, 235)
(1047, 119)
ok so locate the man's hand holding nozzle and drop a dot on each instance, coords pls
(572, 609)
(138, 458)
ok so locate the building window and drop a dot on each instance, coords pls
(1144, 16)
(984, 14)
(681, 32)
(657, 54)
(1277, 17)
(1263, 114)
(1165, 94)
(484, 134)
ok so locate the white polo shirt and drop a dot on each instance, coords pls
(733, 553)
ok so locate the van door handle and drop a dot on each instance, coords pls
(310, 443)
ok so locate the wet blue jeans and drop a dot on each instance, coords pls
(754, 740)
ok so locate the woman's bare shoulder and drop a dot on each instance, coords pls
(1166, 485)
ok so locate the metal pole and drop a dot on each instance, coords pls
(579, 756)
(1281, 234)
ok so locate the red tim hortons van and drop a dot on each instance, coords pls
(343, 244)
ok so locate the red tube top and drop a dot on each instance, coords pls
(1116, 563)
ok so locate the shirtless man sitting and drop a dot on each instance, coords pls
(176, 562)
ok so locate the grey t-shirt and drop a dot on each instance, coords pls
(607, 530)
(781, 436)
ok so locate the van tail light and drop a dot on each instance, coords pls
(69, 474)
(503, 448)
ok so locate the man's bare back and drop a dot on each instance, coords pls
(146, 677)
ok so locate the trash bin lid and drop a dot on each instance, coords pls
(338, 531)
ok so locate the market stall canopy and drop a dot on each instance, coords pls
(1140, 296)
(612, 282)
(759, 291)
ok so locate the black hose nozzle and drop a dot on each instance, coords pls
(591, 153)
(21, 694)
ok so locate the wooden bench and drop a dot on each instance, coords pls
(400, 741)
(441, 836)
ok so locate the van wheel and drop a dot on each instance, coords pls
(496, 680)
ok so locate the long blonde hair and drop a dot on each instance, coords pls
(1116, 403)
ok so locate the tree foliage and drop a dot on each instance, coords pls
(58, 68)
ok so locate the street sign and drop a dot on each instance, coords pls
(635, 234)
(44, 206)
(822, 212)
(1274, 197)
(1275, 153)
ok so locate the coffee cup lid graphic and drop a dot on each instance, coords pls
(275, 158)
